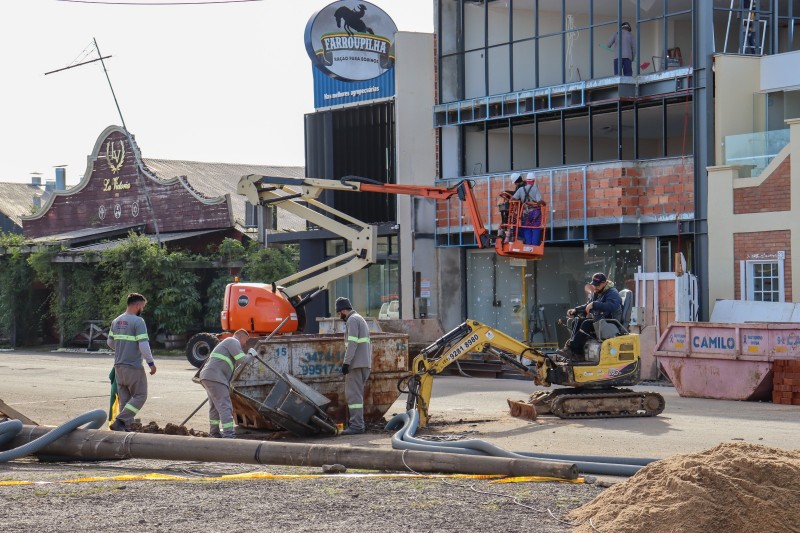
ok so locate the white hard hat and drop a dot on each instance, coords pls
(530, 176)
(515, 176)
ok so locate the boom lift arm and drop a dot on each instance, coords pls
(361, 237)
(259, 307)
(299, 196)
(268, 189)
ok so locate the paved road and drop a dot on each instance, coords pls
(52, 387)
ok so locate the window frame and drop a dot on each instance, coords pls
(747, 278)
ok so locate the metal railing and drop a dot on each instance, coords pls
(508, 105)
(564, 189)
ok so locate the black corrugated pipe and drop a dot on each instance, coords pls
(408, 423)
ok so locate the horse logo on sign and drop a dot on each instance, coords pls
(352, 19)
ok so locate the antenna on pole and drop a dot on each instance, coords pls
(139, 165)
(113, 94)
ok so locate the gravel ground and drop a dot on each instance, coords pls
(321, 505)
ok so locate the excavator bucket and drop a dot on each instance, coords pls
(522, 409)
(537, 404)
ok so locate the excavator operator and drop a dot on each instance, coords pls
(605, 302)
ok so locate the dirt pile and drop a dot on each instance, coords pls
(731, 487)
(169, 429)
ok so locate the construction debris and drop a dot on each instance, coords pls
(169, 429)
(731, 487)
(334, 469)
(9, 412)
(784, 382)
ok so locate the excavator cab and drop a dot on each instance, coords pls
(522, 228)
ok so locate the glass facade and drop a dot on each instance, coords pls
(369, 288)
(552, 285)
(497, 47)
(756, 27)
(508, 48)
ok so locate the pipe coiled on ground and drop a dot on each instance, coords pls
(408, 423)
(9, 429)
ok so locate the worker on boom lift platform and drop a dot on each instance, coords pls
(605, 302)
(532, 200)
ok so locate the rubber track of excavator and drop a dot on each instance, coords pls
(632, 404)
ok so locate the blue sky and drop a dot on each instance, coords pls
(218, 83)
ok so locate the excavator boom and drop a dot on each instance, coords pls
(592, 392)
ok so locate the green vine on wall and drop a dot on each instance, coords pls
(95, 287)
(20, 305)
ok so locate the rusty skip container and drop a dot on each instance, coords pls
(727, 361)
(316, 360)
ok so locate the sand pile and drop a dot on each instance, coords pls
(733, 487)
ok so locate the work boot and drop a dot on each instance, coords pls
(563, 355)
(229, 434)
(215, 433)
(352, 431)
(117, 425)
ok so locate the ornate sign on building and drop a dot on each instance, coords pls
(117, 192)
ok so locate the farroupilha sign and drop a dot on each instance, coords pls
(351, 41)
(352, 44)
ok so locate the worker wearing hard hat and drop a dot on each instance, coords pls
(216, 376)
(531, 197)
(356, 365)
(528, 192)
(505, 196)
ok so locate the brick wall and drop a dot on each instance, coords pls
(774, 193)
(114, 196)
(763, 245)
(648, 190)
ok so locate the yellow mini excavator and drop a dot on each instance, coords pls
(611, 360)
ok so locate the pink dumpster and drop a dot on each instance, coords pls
(723, 360)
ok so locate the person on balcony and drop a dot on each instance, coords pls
(626, 49)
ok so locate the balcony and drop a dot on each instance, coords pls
(560, 97)
(754, 150)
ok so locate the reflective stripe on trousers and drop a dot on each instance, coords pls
(354, 382)
(132, 391)
(220, 409)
